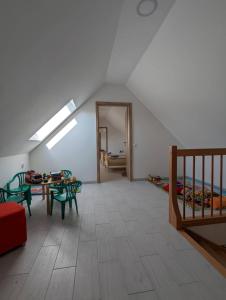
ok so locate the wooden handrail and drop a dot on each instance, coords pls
(201, 152)
(179, 219)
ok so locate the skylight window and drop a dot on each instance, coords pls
(55, 121)
(61, 134)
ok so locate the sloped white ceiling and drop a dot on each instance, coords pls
(50, 51)
(181, 77)
(134, 35)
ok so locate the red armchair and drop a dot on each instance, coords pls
(13, 230)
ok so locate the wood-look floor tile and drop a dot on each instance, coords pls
(67, 255)
(37, 281)
(112, 282)
(61, 284)
(10, 286)
(135, 275)
(144, 296)
(87, 285)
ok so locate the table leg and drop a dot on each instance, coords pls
(43, 192)
(47, 200)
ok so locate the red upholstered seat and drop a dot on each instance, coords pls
(13, 230)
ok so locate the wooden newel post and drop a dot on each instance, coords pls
(174, 212)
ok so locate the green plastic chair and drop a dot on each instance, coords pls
(18, 197)
(68, 195)
(23, 187)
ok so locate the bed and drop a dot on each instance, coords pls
(115, 161)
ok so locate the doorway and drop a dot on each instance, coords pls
(114, 140)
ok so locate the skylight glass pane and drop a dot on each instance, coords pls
(55, 121)
(61, 134)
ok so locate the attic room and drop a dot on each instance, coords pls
(112, 156)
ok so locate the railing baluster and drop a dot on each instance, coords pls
(193, 188)
(179, 215)
(221, 182)
(184, 184)
(212, 182)
(203, 185)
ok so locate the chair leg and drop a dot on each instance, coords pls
(29, 209)
(70, 203)
(76, 204)
(28, 196)
(62, 210)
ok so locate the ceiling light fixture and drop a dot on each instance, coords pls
(146, 8)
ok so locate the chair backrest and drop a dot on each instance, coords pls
(66, 173)
(71, 188)
(68, 190)
(21, 177)
(2, 195)
(18, 180)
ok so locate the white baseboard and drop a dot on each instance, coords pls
(140, 179)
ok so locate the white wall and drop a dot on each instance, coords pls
(77, 151)
(11, 165)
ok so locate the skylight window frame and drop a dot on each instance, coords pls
(61, 134)
(54, 122)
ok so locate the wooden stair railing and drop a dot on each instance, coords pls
(177, 216)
